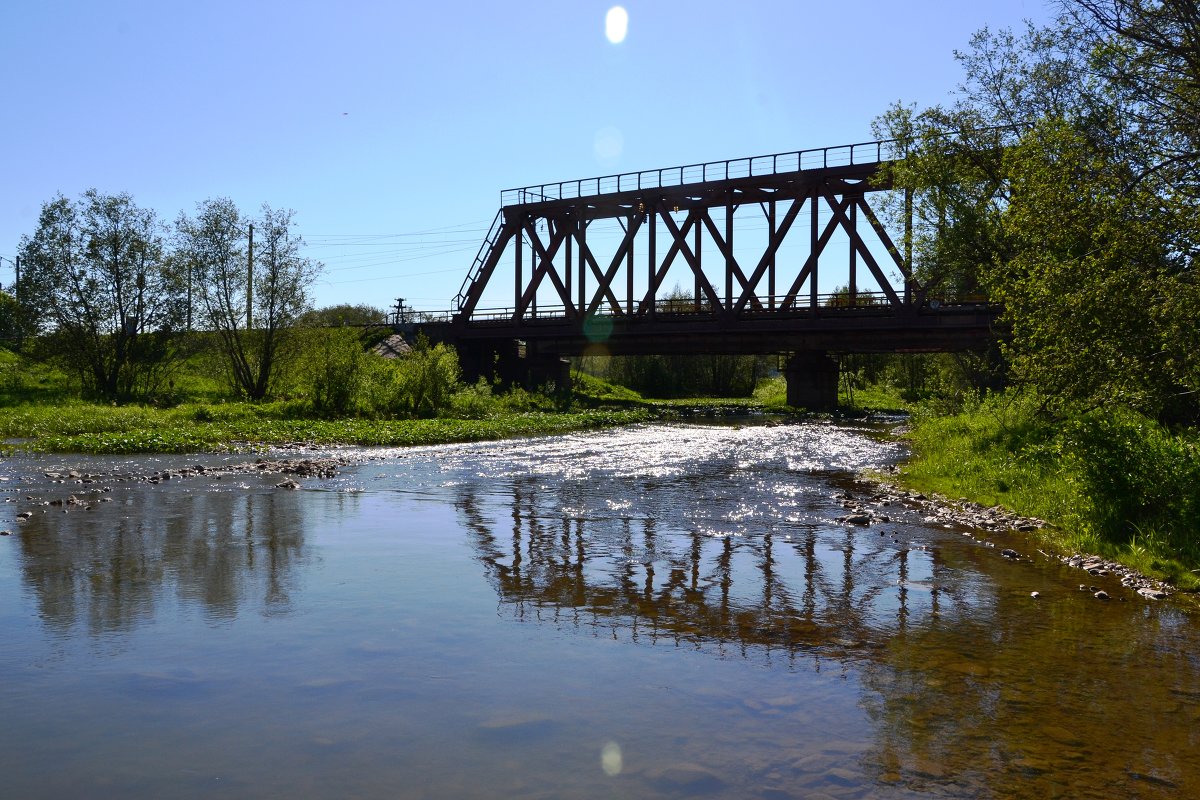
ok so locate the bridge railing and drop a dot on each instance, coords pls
(480, 257)
(774, 164)
(835, 301)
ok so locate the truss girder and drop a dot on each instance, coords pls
(581, 282)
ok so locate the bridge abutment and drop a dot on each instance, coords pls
(812, 381)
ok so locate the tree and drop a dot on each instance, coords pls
(251, 303)
(98, 277)
(1085, 288)
(1079, 214)
(1150, 51)
(344, 314)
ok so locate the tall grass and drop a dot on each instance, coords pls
(1110, 481)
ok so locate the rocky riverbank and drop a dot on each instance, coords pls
(878, 500)
(89, 490)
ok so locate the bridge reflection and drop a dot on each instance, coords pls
(797, 589)
(971, 688)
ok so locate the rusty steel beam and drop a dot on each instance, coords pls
(722, 316)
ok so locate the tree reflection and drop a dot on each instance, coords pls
(109, 568)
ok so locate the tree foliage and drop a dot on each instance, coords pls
(251, 302)
(1062, 182)
(344, 314)
(98, 275)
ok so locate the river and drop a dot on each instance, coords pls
(661, 611)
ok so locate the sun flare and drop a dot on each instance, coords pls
(616, 24)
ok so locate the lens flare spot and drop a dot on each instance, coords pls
(610, 759)
(608, 144)
(616, 24)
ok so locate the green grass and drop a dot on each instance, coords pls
(1003, 452)
(103, 429)
(877, 398)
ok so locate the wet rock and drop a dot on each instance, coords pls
(288, 484)
(5, 533)
(1008, 552)
(1152, 594)
(1035, 595)
(24, 515)
(1101, 595)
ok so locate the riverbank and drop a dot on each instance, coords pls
(1105, 490)
(84, 428)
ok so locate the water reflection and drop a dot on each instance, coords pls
(108, 569)
(800, 589)
(973, 687)
(761, 649)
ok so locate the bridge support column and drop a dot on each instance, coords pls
(547, 369)
(812, 381)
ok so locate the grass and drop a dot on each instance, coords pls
(1002, 452)
(207, 436)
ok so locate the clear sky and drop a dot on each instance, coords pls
(392, 127)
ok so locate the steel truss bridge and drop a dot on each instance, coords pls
(574, 292)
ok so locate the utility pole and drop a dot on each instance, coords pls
(399, 310)
(250, 282)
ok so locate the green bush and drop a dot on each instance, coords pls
(473, 402)
(1141, 480)
(423, 382)
(336, 363)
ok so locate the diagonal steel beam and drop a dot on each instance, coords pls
(773, 243)
(614, 267)
(733, 266)
(647, 304)
(475, 292)
(789, 299)
(694, 217)
(857, 243)
(604, 287)
(545, 268)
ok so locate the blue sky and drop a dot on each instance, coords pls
(392, 127)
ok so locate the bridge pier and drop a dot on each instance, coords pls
(812, 381)
(542, 370)
(512, 362)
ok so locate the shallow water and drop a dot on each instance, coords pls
(663, 611)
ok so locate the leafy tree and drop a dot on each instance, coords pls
(97, 275)
(1149, 51)
(1079, 213)
(255, 332)
(1085, 290)
(336, 364)
(344, 314)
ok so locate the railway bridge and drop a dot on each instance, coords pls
(781, 254)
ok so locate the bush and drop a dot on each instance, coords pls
(473, 402)
(1141, 480)
(423, 382)
(335, 369)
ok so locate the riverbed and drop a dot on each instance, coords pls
(661, 611)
